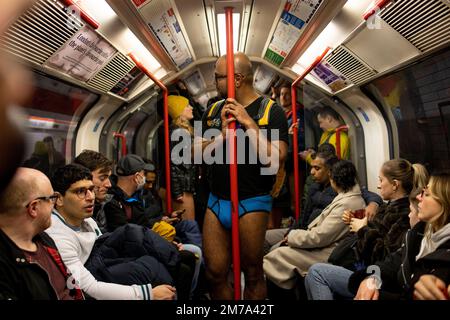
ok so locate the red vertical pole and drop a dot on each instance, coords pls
(297, 194)
(124, 142)
(166, 128)
(83, 15)
(380, 4)
(234, 195)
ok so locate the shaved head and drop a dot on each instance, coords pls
(242, 63)
(243, 73)
(26, 185)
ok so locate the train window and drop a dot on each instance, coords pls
(53, 115)
(132, 127)
(418, 99)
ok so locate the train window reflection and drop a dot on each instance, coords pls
(53, 115)
(419, 101)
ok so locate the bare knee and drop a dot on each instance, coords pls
(253, 272)
(215, 271)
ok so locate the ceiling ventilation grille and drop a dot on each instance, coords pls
(40, 32)
(112, 73)
(350, 66)
(423, 23)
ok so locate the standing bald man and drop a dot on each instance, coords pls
(255, 202)
(30, 265)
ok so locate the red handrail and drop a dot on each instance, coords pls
(124, 142)
(338, 140)
(380, 4)
(297, 195)
(83, 15)
(166, 128)
(234, 195)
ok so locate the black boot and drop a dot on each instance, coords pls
(276, 293)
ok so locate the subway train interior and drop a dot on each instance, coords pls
(101, 71)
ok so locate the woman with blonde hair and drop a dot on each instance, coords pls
(371, 240)
(426, 252)
(182, 170)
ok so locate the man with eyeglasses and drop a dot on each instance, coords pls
(30, 265)
(101, 169)
(76, 235)
(255, 201)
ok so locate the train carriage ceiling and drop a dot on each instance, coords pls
(289, 35)
(181, 39)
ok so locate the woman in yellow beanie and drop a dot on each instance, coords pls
(183, 176)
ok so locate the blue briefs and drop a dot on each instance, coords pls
(222, 208)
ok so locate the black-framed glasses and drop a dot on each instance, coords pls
(82, 192)
(217, 77)
(51, 198)
(224, 76)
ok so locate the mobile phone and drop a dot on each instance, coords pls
(180, 213)
(359, 214)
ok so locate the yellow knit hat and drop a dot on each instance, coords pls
(177, 104)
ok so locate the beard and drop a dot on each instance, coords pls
(223, 94)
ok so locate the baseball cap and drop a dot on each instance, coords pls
(130, 164)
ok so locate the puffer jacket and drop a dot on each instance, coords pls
(122, 210)
(183, 175)
(133, 255)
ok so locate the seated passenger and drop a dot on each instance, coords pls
(320, 195)
(101, 169)
(76, 233)
(124, 208)
(30, 265)
(376, 241)
(426, 250)
(127, 203)
(303, 248)
(372, 241)
(186, 231)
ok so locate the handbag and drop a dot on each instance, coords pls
(345, 254)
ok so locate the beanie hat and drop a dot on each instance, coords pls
(177, 104)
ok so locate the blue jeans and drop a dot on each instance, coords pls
(198, 262)
(325, 280)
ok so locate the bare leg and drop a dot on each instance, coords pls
(252, 230)
(216, 251)
(162, 195)
(275, 218)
